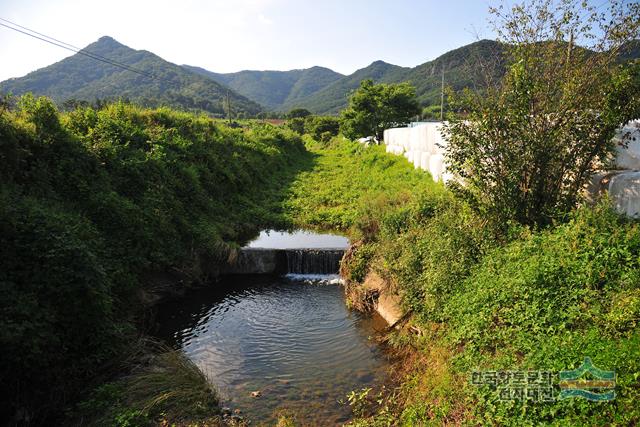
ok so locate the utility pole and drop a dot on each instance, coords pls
(228, 107)
(442, 96)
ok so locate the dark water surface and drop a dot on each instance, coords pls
(294, 341)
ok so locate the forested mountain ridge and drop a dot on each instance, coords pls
(463, 67)
(80, 77)
(318, 89)
(274, 89)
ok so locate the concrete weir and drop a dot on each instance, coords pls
(285, 261)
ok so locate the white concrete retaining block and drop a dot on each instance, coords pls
(424, 146)
(624, 191)
(628, 157)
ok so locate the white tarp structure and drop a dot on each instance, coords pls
(629, 157)
(424, 147)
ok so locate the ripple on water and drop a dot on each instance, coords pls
(295, 341)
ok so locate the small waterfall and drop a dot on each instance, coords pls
(313, 261)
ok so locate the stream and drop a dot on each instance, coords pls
(290, 338)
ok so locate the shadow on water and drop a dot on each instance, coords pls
(295, 342)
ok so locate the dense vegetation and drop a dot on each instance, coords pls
(317, 89)
(480, 298)
(82, 78)
(540, 301)
(94, 206)
(376, 107)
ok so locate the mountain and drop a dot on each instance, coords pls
(333, 97)
(463, 68)
(630, 51)
(82, 78)
(274, 89)
(467, 66)
(317, 89)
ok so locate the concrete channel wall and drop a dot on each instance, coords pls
(424, 146)
(284, 261)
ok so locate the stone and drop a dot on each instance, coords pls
(256, 393)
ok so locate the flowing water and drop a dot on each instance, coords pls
(291, 338)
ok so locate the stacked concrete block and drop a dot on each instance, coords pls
(421, 145)
(424, 146)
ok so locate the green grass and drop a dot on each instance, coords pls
(94, 202)
(536, 300)
(163, 387)
(349, 183)
(481, 297)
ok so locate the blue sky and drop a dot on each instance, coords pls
(233, 35)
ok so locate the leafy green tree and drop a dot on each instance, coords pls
(431, 112)
(322, 128)
(526, 146)
(376, 107)
(296, 124)
(42, 113)
(298, 113)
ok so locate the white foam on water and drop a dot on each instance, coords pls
(316, 279)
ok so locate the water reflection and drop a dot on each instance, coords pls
(299, 239)
(296, 342)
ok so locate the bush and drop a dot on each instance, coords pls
(546, 301)
(322, 129)
(526, 147)
(93, 201)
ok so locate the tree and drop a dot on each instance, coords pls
(297, 125)
(526, 146)
(322, 128)
(376, 107)
(298, 113)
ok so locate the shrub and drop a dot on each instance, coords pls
(90, 203)
(526, 147)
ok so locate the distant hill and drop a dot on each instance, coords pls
(333, 97)
(463, 68)
(82, 78)
(467, 66)
(317, 89)
(274, 89)
(630, 50)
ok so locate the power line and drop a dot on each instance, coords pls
(40, 34)
(74, 49)
(59, 43)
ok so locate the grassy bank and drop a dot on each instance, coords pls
(350, 184)
(96, 205)
(482, 298)
(93, 205)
